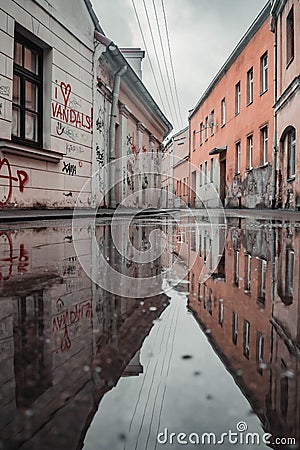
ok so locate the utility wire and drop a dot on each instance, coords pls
(166, 66)
(170, 55)
(151, 66)
(157, 60)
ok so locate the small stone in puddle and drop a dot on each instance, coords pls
(197, 373)
(209, 397)
(187, 357)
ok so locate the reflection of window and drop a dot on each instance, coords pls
(290, 36)
(211, 170)
(260, 350)
(246, 338)
(234, 327)
(262, 280)
(200, 245)
(289, 272)
(221, 311)
(201, 175)
(205, 172)
(284, 391)
(236, 268)
(27, 92)
(32, 378)
(285, 281)
(248, 272)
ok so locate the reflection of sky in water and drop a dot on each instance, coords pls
(182, 394)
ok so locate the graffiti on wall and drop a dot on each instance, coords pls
(74, 149)
(69, 169)
(4, 90)
(100, 156)
(8, 178)
(10, 257)
(63, 108)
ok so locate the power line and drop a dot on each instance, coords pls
(157, 60)
(170, 55)
(165, 63)
(151, 66)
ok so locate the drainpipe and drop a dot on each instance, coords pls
(275, 150)
(112, 131)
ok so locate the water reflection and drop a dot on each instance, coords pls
(65, 342)
(250, 311)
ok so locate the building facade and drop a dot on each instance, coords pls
(285, 25)
(232, 126)
(49, 136)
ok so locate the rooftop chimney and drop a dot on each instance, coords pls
(134, 56)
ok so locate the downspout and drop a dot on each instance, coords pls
(112, 132)
(275, 149)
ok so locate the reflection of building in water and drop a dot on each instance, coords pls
(63, 341)
(249, 309)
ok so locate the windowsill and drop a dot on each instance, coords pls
(206, 139)
(249, 103)
(237, 113)
(289, 62)
(291, 179)
(263, 92)
(237, 174)
(15, 148)
(223, 125)
(249, 169)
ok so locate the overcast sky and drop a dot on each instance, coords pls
(202, 35)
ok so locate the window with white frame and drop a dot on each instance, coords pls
(250, 86)
(291, 153)
(211, 170)
(248, 273)
(234, 327)
(238, 98)
(205, 172)
(201, 133)
(264, 145)
(201, 175)
(223, 112)
(238, 157)
(250, 151)
(290, 45)
(206, 128)
(264, 72)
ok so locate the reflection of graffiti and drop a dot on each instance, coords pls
(5, 90)
(6, 174)
(69, 169)
(100, 156)
(66, 112)
(8, 257)
(129, 140)
(62, 129)
(1, 106)
(69, 317)
(100, 121)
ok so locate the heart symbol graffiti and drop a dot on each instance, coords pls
(66, 91)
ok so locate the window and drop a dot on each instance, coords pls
(238, 157)
(264, 145)
(212, 122)
(264, 72)
(290, 48)
(246, 338)
(27, 92)
(206, 128)
(291, 142)
(223, 112)
(194, 140)
(201, 175)
(201, 133)
(234, 327)
(212, 170)
(250, 151)
(238, 98)
(205, 172)
(250, 86)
